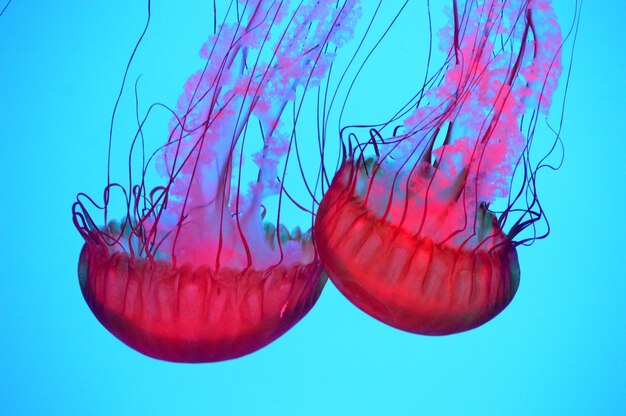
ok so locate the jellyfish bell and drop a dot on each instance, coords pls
(418, 278)
(198, 269)
(408, 234)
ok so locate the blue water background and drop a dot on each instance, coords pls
(559, 348)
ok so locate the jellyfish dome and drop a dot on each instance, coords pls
(199, 270)
(408, 235)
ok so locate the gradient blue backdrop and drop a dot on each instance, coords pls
(558, 349)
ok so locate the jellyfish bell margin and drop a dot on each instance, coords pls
(198, 270)
(407, 236)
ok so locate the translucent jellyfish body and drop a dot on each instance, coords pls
(408, 235)
(198, 271)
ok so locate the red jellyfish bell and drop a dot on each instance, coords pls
(408, 236)
(192, 274)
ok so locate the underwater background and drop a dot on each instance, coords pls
(557, 349)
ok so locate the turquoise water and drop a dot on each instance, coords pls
(557, 349)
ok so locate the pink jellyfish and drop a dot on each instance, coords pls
(193, 273)
(408, 235)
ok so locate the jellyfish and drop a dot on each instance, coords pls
(420, 226)
(198, 268)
